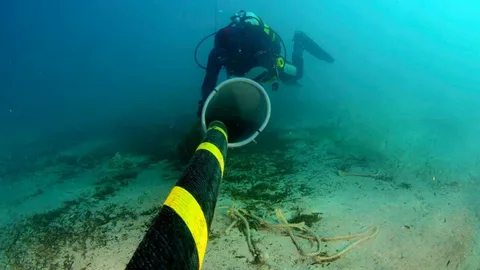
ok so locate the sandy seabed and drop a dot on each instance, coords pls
(95, 218)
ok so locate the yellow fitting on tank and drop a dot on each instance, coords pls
(280, 62)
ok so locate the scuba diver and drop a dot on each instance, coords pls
(247, 45)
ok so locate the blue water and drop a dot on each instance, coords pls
(405, 81)
(100, 59)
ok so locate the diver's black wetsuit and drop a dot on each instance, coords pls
(241, 48)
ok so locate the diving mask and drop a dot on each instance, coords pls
(237, 17)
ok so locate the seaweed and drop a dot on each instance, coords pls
(404, 185)
(69, 227)
(308, 219)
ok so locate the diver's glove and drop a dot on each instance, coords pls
(200, 108)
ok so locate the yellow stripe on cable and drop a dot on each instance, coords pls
(185, 205)
(221, 130)
(213, 149)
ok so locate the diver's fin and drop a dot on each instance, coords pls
(302, 41)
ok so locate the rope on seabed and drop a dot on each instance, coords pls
(305, 233)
